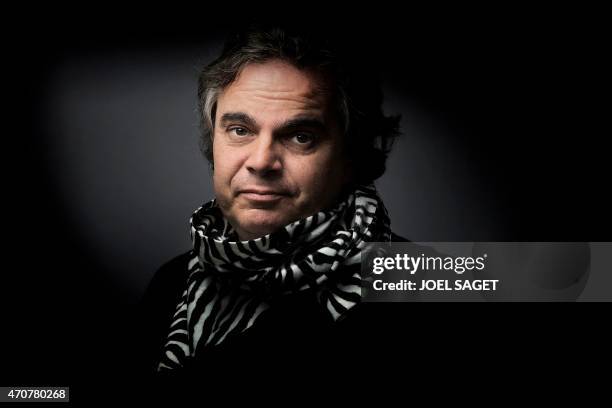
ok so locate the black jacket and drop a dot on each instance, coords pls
(296, 336)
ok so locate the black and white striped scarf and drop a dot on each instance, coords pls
(232, 282)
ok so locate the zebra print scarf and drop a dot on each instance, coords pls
(232, 282)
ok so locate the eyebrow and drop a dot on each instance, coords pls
(304, 122)
(301, 121)
(239, 117)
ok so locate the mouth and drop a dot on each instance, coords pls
(263, 196)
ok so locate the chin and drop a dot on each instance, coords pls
(260, 223)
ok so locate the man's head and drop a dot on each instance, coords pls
(285, 131)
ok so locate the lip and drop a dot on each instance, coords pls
(262, 195)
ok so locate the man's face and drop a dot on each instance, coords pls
(277, 149)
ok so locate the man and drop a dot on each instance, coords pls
(295, 136)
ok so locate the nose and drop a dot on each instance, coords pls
(264, 157)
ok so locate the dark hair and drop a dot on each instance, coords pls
(356, 89)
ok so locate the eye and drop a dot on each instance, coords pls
(239, 131)
(303, 138)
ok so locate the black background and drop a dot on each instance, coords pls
(526, 90)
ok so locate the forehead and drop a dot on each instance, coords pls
(275, 87)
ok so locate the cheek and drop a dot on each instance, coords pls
(316, 173)
(225, 163)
